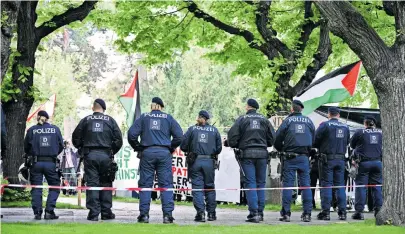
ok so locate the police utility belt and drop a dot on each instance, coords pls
(45, 159)
(284, 155)
(333, 156)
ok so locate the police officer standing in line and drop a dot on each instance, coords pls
(252, 133)
(367, 145)
(98, 138)
(155, 150)
(331, 139)
(203, 142)
(294, 139)
(44, 143)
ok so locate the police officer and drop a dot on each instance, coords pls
(367, 145)
(295, 138)
(156, 147)
(331, 139)
(98, 138)
(204, 141)
(252, 133)
(44, 142)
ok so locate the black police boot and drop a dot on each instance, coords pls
(253, 218)
(143, 218)
(108, 217)
(376, 210)
(261, 216)
(342, 215)
(167, 218)
(306, 218)
(200, 217)
(212, 216)
(38, 216)
(92, 218)
(50, 215)
(358, 216)
(284, 218)
(323, 215)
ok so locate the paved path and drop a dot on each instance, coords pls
(184, 215)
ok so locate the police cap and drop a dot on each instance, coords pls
(43, 113)
(299, 103)
(253, 103)
(371, 118)
(333, 110)
(101, 103)
(204, 114)
(158, 101)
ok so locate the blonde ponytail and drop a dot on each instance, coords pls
(41, 120)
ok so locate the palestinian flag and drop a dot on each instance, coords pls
(131, 101)
(332, 88)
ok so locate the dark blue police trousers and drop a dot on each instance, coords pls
(159, 160)
(300, 165)
(333, 173)
(255, 178)
(203, 177)
(37, 173)
(369, 173)
(96, 164)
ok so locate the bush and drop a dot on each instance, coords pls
(14, 194)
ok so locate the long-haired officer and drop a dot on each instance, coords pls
(156, 130)
(204, 141)
(44, 142)
(367, 145)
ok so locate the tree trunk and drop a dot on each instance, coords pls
(9, 9)
(17, 110)
(392, 106)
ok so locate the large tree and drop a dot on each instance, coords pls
(385, 64)
(29, 36)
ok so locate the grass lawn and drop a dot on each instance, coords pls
(270, 207)
(367, 227)
(25, 204)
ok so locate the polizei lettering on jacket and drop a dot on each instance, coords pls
(298, 119)
(372, 130)
(337, 124)
(101, 117)
(156, 115)
(208, 129)
(44, 130)
(253, 116)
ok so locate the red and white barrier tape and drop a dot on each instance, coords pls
(174, 189)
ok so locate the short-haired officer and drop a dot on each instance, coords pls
(295, 138)
(99, 138)
(44, 142)
(367, 145)
(252, 133)
(331, 139)
(204, 141)
(156, 130)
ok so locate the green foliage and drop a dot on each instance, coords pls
(162, 29)
(12, 195)
(58, 76)
(186, 89)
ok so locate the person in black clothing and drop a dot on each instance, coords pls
(98, 137)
